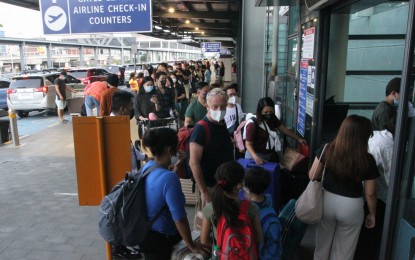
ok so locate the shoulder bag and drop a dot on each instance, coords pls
(309, 206)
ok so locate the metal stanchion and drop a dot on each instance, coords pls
(13, 127)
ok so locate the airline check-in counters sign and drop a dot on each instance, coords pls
(210, 46)
(96, 16)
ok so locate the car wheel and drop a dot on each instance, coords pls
(22, 113)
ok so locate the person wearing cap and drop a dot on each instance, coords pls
(60, 87)
(106, 96)
(386, 109)
(197, 109)
(93, 92)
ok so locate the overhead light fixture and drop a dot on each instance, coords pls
(158, 27)
(203, 32)
(197, 28)
(187, 21)
(173, 33)
(187, 37)
(171, 10)
(166, 30)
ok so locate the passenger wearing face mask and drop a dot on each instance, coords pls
(234, 113)
(180, 95)
(261, 138)
(197, 109)
(205, 157)
(163, 193)
(146, 103)
(386, 109)
(165, 95)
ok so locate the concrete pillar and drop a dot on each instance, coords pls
(96, 50)
(109, 56)
(275, 30)
(252, 53)
(49, 55)
(81, 56)
(22, 48)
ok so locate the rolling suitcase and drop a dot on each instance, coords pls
(293, 230)
(273, 170)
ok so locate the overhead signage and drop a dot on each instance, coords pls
(210, 46)
(96, 16)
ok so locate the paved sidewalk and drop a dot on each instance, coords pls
(39, 215)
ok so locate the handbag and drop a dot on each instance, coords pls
(309, 206)
(294, 161)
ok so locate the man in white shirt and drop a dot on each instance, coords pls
(234, 113)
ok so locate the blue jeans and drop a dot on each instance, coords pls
(90, 103)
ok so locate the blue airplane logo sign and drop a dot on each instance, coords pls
(98, 16)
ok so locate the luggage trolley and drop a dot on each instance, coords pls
(169, 122)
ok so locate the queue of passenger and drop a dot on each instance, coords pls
(345, 162)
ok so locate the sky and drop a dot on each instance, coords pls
(20, 22)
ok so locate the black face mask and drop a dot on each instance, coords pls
(163, 82)
(267, 117)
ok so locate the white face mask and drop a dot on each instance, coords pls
(232, 100)
(174, 80)
(217, 115)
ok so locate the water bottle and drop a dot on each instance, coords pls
(216, 252)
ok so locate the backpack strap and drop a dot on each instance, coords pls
(244, 206)
(237, 116)
(207, 130)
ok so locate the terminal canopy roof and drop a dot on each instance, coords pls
(192, 21)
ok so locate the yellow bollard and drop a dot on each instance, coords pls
(13, 127)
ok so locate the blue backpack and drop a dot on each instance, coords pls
(271, 227)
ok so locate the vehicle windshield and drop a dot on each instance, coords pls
(26, 83)
(131, 67)
(112, 69)
(4, 83)
(79, 74)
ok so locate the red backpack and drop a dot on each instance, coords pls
(184, 134)
(237, 243)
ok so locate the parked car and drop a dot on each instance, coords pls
(36, 92)
(130, 68)
(117, 69)
(4, 85)
(89, 75)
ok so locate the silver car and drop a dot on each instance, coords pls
(36, 92)
(130, 68)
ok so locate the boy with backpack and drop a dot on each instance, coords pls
(235, 223)
(256, 181)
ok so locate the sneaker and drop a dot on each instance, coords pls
(122, 252)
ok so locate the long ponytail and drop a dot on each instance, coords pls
(228, 176)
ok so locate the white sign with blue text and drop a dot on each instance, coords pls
(210, 46)
(96, 16)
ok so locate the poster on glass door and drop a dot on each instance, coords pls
(308, 43)
(302, 98)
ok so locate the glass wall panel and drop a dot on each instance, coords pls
(366, 50)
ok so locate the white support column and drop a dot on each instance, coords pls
(49, 55)
(81, 56)
(22, 48)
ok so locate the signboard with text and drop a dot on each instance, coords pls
(98, 16)
(302, 98)
(210, 46)
(308, 43)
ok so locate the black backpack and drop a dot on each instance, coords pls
(123, 212)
